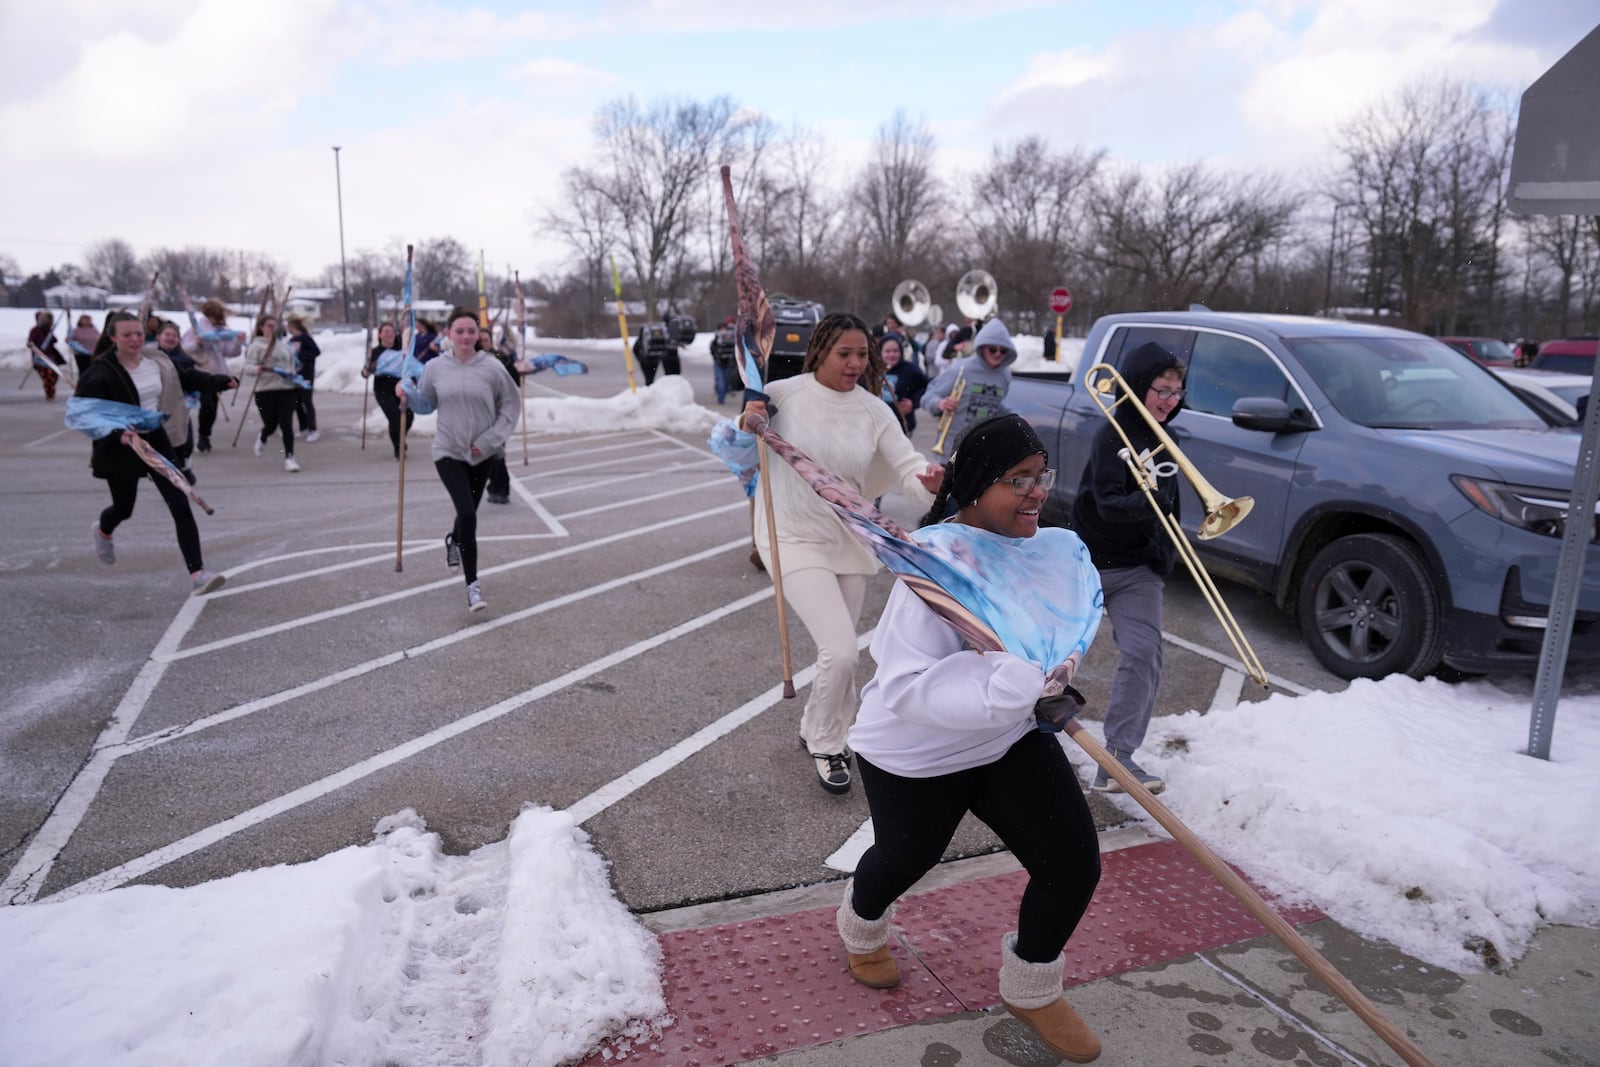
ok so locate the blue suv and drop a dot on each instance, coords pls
(1408, 505)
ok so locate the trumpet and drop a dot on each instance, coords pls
(1222, 513)
(949, 417)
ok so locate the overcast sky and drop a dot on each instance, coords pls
(211, 122)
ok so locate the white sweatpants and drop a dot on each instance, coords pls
(829, 604)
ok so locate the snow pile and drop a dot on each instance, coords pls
(392, 952)
(1403, 809)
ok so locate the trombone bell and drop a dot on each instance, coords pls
(1227, 514)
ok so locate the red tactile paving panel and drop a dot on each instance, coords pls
(1154, 903)
(758, 988)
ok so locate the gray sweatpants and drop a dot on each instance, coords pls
(1133, 603)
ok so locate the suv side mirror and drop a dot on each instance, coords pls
(1269, 415)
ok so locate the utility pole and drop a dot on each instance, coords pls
(344, 271)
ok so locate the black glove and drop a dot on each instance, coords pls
(1052, 713)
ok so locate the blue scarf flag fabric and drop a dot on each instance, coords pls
(562, 365)
(291, 377)
(1035, 597)
(97, 418)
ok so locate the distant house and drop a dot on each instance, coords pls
(73, 295)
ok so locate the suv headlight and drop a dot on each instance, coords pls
(1544, 511)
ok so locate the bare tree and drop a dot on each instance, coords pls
(1027, 213)
(589, 225)
(1184, 237)
(1425, 171)
(198, 270)
(653, 165)
(897, 197)
(113, 264)
(443, 269)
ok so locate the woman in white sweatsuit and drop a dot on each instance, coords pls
(849, 430)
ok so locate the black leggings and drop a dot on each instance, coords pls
(208, 413)
(306, 409)
(1029, 797)
(464, 482)
(383, 390)
(277, 413)
(125, 491)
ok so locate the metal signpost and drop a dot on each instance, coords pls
(1555, 170)
(1060, 303)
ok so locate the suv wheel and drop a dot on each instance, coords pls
(1367, 609)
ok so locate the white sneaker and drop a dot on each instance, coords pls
(261, 446)
(289, 464)
(312, 436)
(475, 597)
(103, 546)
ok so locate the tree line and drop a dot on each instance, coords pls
(1406, 224)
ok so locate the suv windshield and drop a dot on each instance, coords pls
(1404, 383)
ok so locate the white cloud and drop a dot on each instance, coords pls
(562, 76)
(170, 81)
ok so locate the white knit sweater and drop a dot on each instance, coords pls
(853, 434)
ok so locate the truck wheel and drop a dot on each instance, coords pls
(1367, 609)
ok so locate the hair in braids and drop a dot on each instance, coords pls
(941, 499)
(827, 333)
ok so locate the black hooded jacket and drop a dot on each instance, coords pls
(1111, 512)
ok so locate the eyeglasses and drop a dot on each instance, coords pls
(1024, 486)
(1168, 394)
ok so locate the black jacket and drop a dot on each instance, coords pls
(104, 379)
(1111, 512)
(909, 384)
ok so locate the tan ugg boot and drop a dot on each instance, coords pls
(1032, 992)
(867, 943)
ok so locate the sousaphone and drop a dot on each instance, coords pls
(977, 295)
(911, 302)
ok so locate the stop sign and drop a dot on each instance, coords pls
(1060, 300)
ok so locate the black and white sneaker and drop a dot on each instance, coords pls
(848, 755)
(499, 498)
(452, 552)
(833, 771)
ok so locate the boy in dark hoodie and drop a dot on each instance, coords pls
(1131, 550)
(985, 378)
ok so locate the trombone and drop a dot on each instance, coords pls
(1222, 513)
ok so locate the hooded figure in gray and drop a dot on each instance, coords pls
(984, 381)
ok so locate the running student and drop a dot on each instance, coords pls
(478, 406)
(850, 431)
(384, 364)
(945, 730)
(212, 353)
(125, 370)
(275, 394)
(305, 364)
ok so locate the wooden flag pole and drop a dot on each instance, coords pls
(1263, 912)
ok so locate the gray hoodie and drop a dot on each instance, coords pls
(984, 387)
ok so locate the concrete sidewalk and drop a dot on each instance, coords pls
(1166, 966)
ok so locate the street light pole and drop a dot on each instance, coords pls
(344, 271)
(1333, 242)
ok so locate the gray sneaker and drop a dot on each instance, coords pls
(205, 582)
(103, 546)
(1104, 783)
(475, 597)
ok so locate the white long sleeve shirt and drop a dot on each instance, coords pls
(854, 435)
(935, 706)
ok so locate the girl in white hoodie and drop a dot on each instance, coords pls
(945, 730)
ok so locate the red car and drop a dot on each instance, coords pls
(1574, 355)
(1489, 351)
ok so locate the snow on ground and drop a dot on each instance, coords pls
(386, 953)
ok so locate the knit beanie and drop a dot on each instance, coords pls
(986, 452)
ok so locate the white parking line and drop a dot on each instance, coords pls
(612, 482)
(284, 696)
(47, 437)
(389, 598)
(150, 861)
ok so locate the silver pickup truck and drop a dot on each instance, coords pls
(1408, 505)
